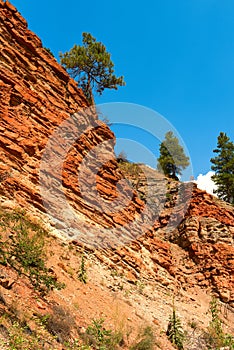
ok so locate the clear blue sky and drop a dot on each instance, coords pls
(177, 58)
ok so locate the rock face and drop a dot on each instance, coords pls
(207, 235)
(37, 97)
(197, 252)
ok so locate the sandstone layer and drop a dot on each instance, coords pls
(37, 97)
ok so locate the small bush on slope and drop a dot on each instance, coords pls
(215, 336)
(146, 342)
(22, 246)
(100, 338)
(174, 330)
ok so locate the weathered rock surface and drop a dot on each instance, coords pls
(37, 95)
(205, 256)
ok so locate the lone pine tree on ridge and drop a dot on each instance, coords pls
(172, 159)
(92, 66)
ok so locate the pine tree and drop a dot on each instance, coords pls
(92, 66)
(172, 159)
(223, 166)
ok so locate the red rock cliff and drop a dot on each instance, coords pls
(37, 95)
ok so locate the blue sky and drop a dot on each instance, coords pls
(177, 58)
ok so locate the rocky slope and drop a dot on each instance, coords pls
(38, 97)
(203, 241)
(143, 245)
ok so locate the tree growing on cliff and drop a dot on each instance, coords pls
(172, 159)
(91, 65)
(223, 166)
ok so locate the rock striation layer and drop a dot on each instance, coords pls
(37, 97)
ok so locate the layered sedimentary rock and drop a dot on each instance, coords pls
(38, 98)
(198, 252)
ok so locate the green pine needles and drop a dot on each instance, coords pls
(172, 159)
(92, 66)
(223, 166)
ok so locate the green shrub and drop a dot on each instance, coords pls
(130, 169)
(24, 249)
(215, 336)
(82, 275)
(175, 331)
(146, 341)
(21, 338)
(97, 336)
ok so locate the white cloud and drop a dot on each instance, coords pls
(204, 182)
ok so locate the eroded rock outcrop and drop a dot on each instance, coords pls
(37, 95)
(197, 252)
